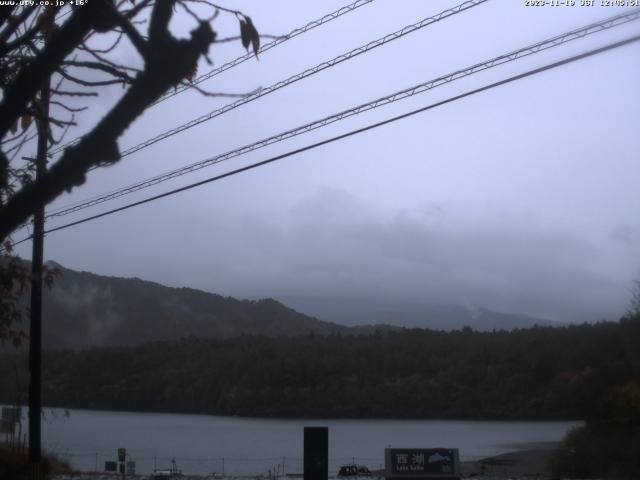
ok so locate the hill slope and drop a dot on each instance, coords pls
(83, 309)
(413, 314)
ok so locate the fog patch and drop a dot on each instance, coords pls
(333, 245)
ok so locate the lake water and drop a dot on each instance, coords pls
(202, 444)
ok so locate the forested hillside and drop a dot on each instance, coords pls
(538, 373)
(83, 309)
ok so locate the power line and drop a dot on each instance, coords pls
(330, 63)
(306, 73)
(249, 55)
(420, 88)
(354, 132)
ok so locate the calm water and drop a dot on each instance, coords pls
(202, 444)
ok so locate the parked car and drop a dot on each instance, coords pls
(353, 470)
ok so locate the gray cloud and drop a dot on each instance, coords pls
(333, 245)
(522, 199)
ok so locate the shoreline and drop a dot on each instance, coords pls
(311, 418)
(528, 463)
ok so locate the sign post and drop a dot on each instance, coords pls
(122, 457)
(422, 464)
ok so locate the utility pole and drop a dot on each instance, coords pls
(35, 335)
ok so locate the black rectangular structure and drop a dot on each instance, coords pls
(316, 453)
(422, 463)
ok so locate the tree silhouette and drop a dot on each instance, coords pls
(76, 49)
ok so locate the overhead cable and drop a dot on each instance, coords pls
(305, 74)
(394, 97)
(268, 46)
(249, 55)
(353, 132)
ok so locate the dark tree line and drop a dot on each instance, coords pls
(538, 373)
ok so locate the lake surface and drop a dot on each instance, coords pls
(202, 444)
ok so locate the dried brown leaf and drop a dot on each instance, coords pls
(253, 35)
(245, 34)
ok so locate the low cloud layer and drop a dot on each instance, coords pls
(331, 245)
(521, 199)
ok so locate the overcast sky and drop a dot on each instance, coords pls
(520, 199)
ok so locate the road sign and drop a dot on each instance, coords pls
(422, 463)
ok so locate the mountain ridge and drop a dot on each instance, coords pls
(83, 310)
(408, 314)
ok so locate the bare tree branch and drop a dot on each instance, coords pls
(221, 94)
(13, 24)
(99, 147)
(108, 49)
(31, 31)
(134, 36)
(87, 83)
(28, 80)
(105, 61)
(112, 69)
(236, 38)
(74, 94)
(68, 108)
